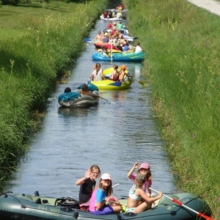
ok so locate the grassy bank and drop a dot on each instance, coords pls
(38, 42)
(182, 67)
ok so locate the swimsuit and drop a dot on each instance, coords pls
(133, 195)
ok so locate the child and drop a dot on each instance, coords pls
(85, 91)
(123, 73)
(144, 169)
(115, 74)
(136, 194)
(87, 183)
(98, 204)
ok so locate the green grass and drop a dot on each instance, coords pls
(38, 43)
(182, 68)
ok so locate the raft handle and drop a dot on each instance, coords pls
(76, 215)
(38, 201)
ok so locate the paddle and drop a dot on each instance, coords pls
(104, 98)
(185, 206)
(115, 185)
(142, 83)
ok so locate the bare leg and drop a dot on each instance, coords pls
(142, 207)
(117, 208)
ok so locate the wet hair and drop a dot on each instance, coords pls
(67, 89)
(85, 88)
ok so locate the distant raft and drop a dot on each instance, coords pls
(122, 57)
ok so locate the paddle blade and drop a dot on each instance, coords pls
(142, 83)
(87, 40)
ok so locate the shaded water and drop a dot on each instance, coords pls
(113, 135)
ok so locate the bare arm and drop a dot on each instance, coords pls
(149, 199)
(82, 180)
(103, 76)
(99, 205)
(136, 165)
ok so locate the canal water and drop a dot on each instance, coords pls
(114, 135)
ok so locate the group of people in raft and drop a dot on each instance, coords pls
(99, 200)
(116, 36)
(114, 13)
(118, 73)
(117, 40)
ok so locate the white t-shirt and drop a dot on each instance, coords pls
(137, 49)
(97, 75)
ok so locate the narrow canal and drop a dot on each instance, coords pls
(113, 135)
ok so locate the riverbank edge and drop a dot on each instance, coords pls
(174, 34)
(19, 120)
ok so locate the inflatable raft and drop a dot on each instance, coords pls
(110, 19)
(113, 85)
(123, 57)
(28, 207)
(99, 45)
(74, 99)
(110, 84)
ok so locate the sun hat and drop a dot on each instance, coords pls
(140, 178)
(106, 176)
(144, 166)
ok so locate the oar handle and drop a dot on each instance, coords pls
(115, 185)
(185, 206)
(103, 98)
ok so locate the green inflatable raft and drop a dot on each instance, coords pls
(27, 207)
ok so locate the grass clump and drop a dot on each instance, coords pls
(38, 43)
(182, 65)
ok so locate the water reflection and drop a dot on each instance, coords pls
(77, 112)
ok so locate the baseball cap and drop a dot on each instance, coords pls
(144, 166)
(106, 176)
(140, 178)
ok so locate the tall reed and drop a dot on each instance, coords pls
(45, 43)
(182, 66)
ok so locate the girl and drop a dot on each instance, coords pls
(136, 193)
(123, 73)
(87, 183)
(144, 169)
(115, 74)
(98, 204)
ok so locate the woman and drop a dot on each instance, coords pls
(138, 201)
(97, 73)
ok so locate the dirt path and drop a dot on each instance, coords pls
(209, 5)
